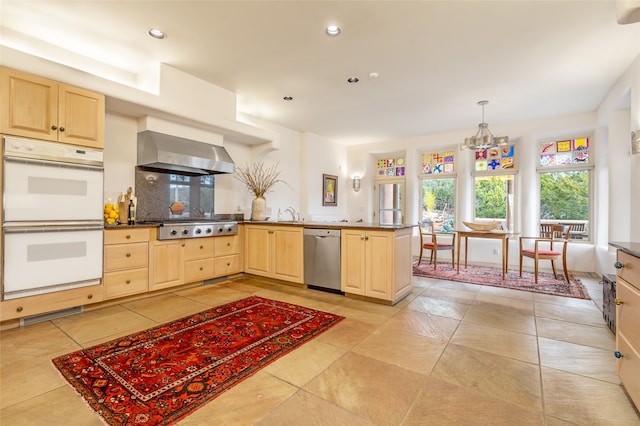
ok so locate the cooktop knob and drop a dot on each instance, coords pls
(220, 229)
(174, 232)
(185, 231)
(198, 231)
(209, 230)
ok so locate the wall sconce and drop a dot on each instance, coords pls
(356, 183)
(635, 142)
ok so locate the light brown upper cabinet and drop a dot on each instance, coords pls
(35, 107)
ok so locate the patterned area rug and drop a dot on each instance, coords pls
(484, 275)
(160, 375)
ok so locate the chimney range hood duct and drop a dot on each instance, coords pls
(171, 154)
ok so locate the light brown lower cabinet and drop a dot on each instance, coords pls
(275, 252)
(35, 305)
(376, 264)
(628, 324)
(176, 262)
(126, 262)
(166, 264)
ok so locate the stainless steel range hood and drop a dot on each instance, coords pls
(171, 154)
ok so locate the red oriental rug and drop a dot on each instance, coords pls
(485, 275)
(158, 376)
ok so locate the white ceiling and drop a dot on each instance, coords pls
(434, 59)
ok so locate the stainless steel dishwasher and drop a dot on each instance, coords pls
(322, 259)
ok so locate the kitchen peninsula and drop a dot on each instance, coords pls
(375, 259)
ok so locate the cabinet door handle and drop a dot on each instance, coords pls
(201, 247)
(183, 244)
(271, 232)
(19, 309)
(54, 127)
(128, 254)
(618, 301)
(90, 296)
(228, 244)
(228, 263)
(618, 354)
(128, 237)
(201, 268)
(62, 129)
(128, 282)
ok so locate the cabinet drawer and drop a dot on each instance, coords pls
(198, 248)
(628, 367)
(125, 256)
(123, 236)
(225, 246)
(628, 313)
(227, 265)
(125, 283)
(33, 305)
(197, 270)
(630, 268)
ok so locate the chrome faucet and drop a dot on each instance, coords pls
(295, 216)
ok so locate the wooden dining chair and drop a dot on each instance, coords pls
(550, 248)
(545, 230)
(434, 242)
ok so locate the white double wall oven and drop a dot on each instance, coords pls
(52, 219)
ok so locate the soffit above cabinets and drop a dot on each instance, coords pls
(234, 131)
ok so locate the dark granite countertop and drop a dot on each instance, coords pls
(324, 225)
(331, 225)
(137, 225)
(631, 248)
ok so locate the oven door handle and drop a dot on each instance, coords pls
(48, 162)
(14, 228)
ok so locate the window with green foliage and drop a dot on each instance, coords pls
(564, 195)
(565, 184)
(438, 203)
(564, 199)
(494, 198)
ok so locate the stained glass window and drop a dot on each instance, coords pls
(438, 163)
(564, 152)
(390, 167)
(494, 159)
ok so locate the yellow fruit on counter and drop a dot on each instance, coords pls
(111, 213)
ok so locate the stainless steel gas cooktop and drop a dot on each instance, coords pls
(171, 230)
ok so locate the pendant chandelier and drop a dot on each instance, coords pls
(484, 139)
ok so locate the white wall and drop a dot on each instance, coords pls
(322, 156)
(119, 154)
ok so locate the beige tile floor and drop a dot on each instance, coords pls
(449, 353)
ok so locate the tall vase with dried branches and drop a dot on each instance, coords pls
(259, 180)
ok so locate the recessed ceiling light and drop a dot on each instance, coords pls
(353, 79)
(332, 30)
(157, 33)
(288, 98)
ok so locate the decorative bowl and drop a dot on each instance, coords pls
(482, 226)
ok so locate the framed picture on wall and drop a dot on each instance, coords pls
(329, 190)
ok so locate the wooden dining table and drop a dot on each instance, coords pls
(494, 235)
